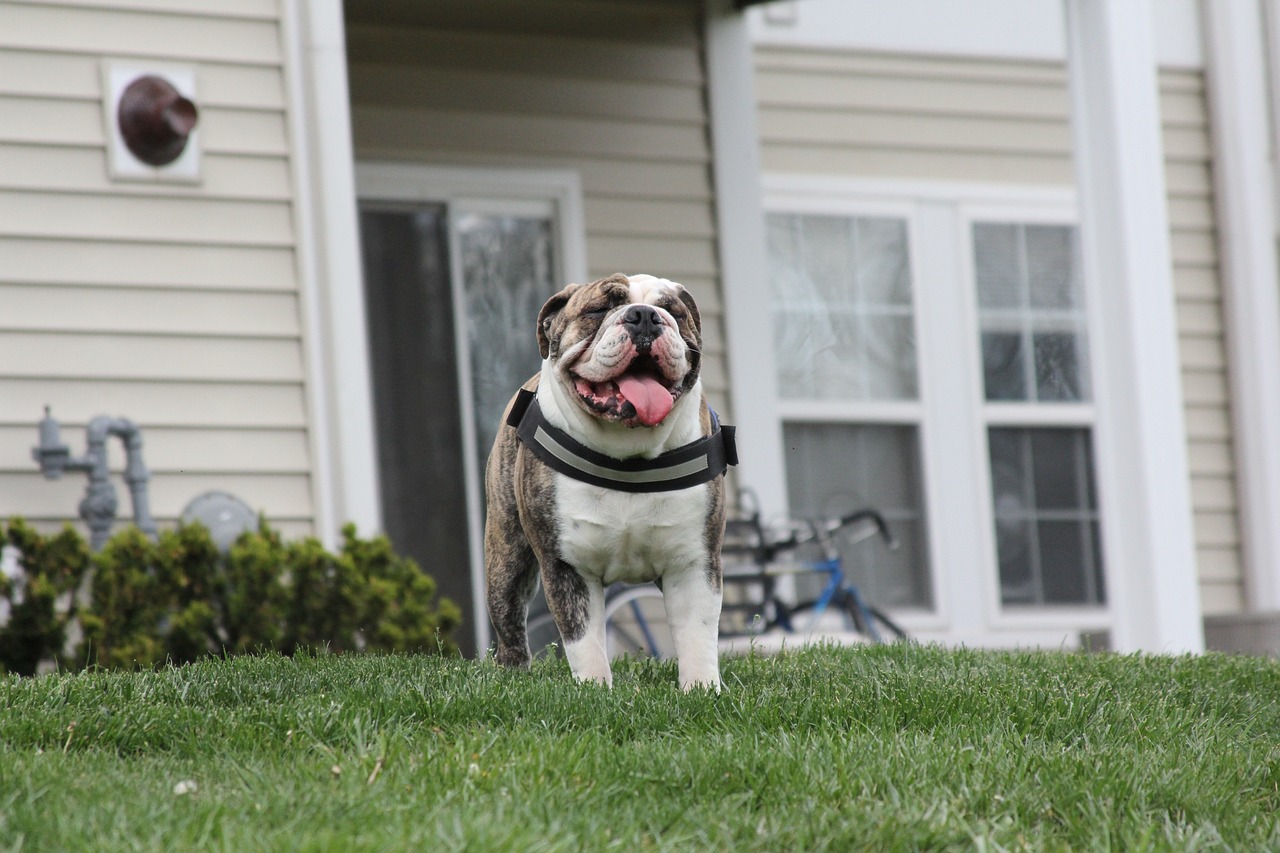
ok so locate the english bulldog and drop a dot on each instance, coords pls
(609, 467)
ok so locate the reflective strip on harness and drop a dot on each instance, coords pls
(691, 465)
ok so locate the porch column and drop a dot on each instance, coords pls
(744, 268)
(1244, 187)
(338, 379)
(1150, 553)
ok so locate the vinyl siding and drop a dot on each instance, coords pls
(1189, 177)
(551, 85)
(175, 305)
(836, 113)
(927, 118)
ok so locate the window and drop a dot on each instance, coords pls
(845, 354)
(932, 350)
(842, 307)
(1034, 346)
(1035, 358)
(1046, 516)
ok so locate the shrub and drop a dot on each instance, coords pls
(177, 599)
(49, 569)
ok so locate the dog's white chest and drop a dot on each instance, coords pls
(621, 536)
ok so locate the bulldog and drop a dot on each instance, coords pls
(609, 466)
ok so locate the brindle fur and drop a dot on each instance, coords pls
(521, 530)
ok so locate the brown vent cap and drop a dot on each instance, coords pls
(155, 120)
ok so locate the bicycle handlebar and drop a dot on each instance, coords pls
(882, 527)
(821, 530)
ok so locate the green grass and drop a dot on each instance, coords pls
(881, 748)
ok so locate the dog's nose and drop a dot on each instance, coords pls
(644, 323)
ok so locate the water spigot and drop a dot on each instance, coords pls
(52, 454)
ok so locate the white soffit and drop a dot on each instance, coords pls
(1007, 29)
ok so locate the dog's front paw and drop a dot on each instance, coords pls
(690, 683)
(514, 658)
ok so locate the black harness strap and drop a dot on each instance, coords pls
(693, 464)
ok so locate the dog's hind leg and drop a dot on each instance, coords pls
(511, 569)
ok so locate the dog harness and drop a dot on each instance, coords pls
(693, 464)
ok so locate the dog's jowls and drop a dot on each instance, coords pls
(620, 375)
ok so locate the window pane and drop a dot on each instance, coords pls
(1058, 373)
(1046, 517)
(1062, 552)
(843, 323)
(882, 271)
(1004, 366)
(827, 258)
(887, 338)
(1061, 469)
(997, 258)
(1010, 474)
(1030, 295)
(507, 274)
(834, 469)
(819, 354)
(1014, 551)
(1052, 268)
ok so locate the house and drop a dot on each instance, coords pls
(957, 260)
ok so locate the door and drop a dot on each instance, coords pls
(453, 288)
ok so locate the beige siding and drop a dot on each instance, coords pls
(1203, 348)
(455, 82)
(914, 118)
(174, 305)
(860, 115)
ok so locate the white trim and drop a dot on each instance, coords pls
(1040, 414)
(740, 233)
(842, 411)
(345, 480)
(991, 29)
(1140, 437)
(784, 188)
(1244, 186)
(395, 181)
(952, 441)
(556, 193)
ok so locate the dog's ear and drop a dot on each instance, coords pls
(687, 298)
(547, 316)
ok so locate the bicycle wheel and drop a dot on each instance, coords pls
(855, 616)
(544, 637)
(635, 621)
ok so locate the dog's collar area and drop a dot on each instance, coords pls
(693, 464)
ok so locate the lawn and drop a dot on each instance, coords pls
(880, 748)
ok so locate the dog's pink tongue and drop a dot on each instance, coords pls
(651, 400)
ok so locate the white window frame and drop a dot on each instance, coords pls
(483, 190)
(952, 413)
(868, 412)
(1082, 415)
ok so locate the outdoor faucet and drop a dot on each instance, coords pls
(98, 508)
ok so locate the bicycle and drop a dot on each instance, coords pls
(635, 616)
(764, 609)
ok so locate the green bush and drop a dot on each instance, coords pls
(50, 568)
(140, 603)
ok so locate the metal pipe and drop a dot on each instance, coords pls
(99, 505)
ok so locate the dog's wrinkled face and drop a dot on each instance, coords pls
(628, 346)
